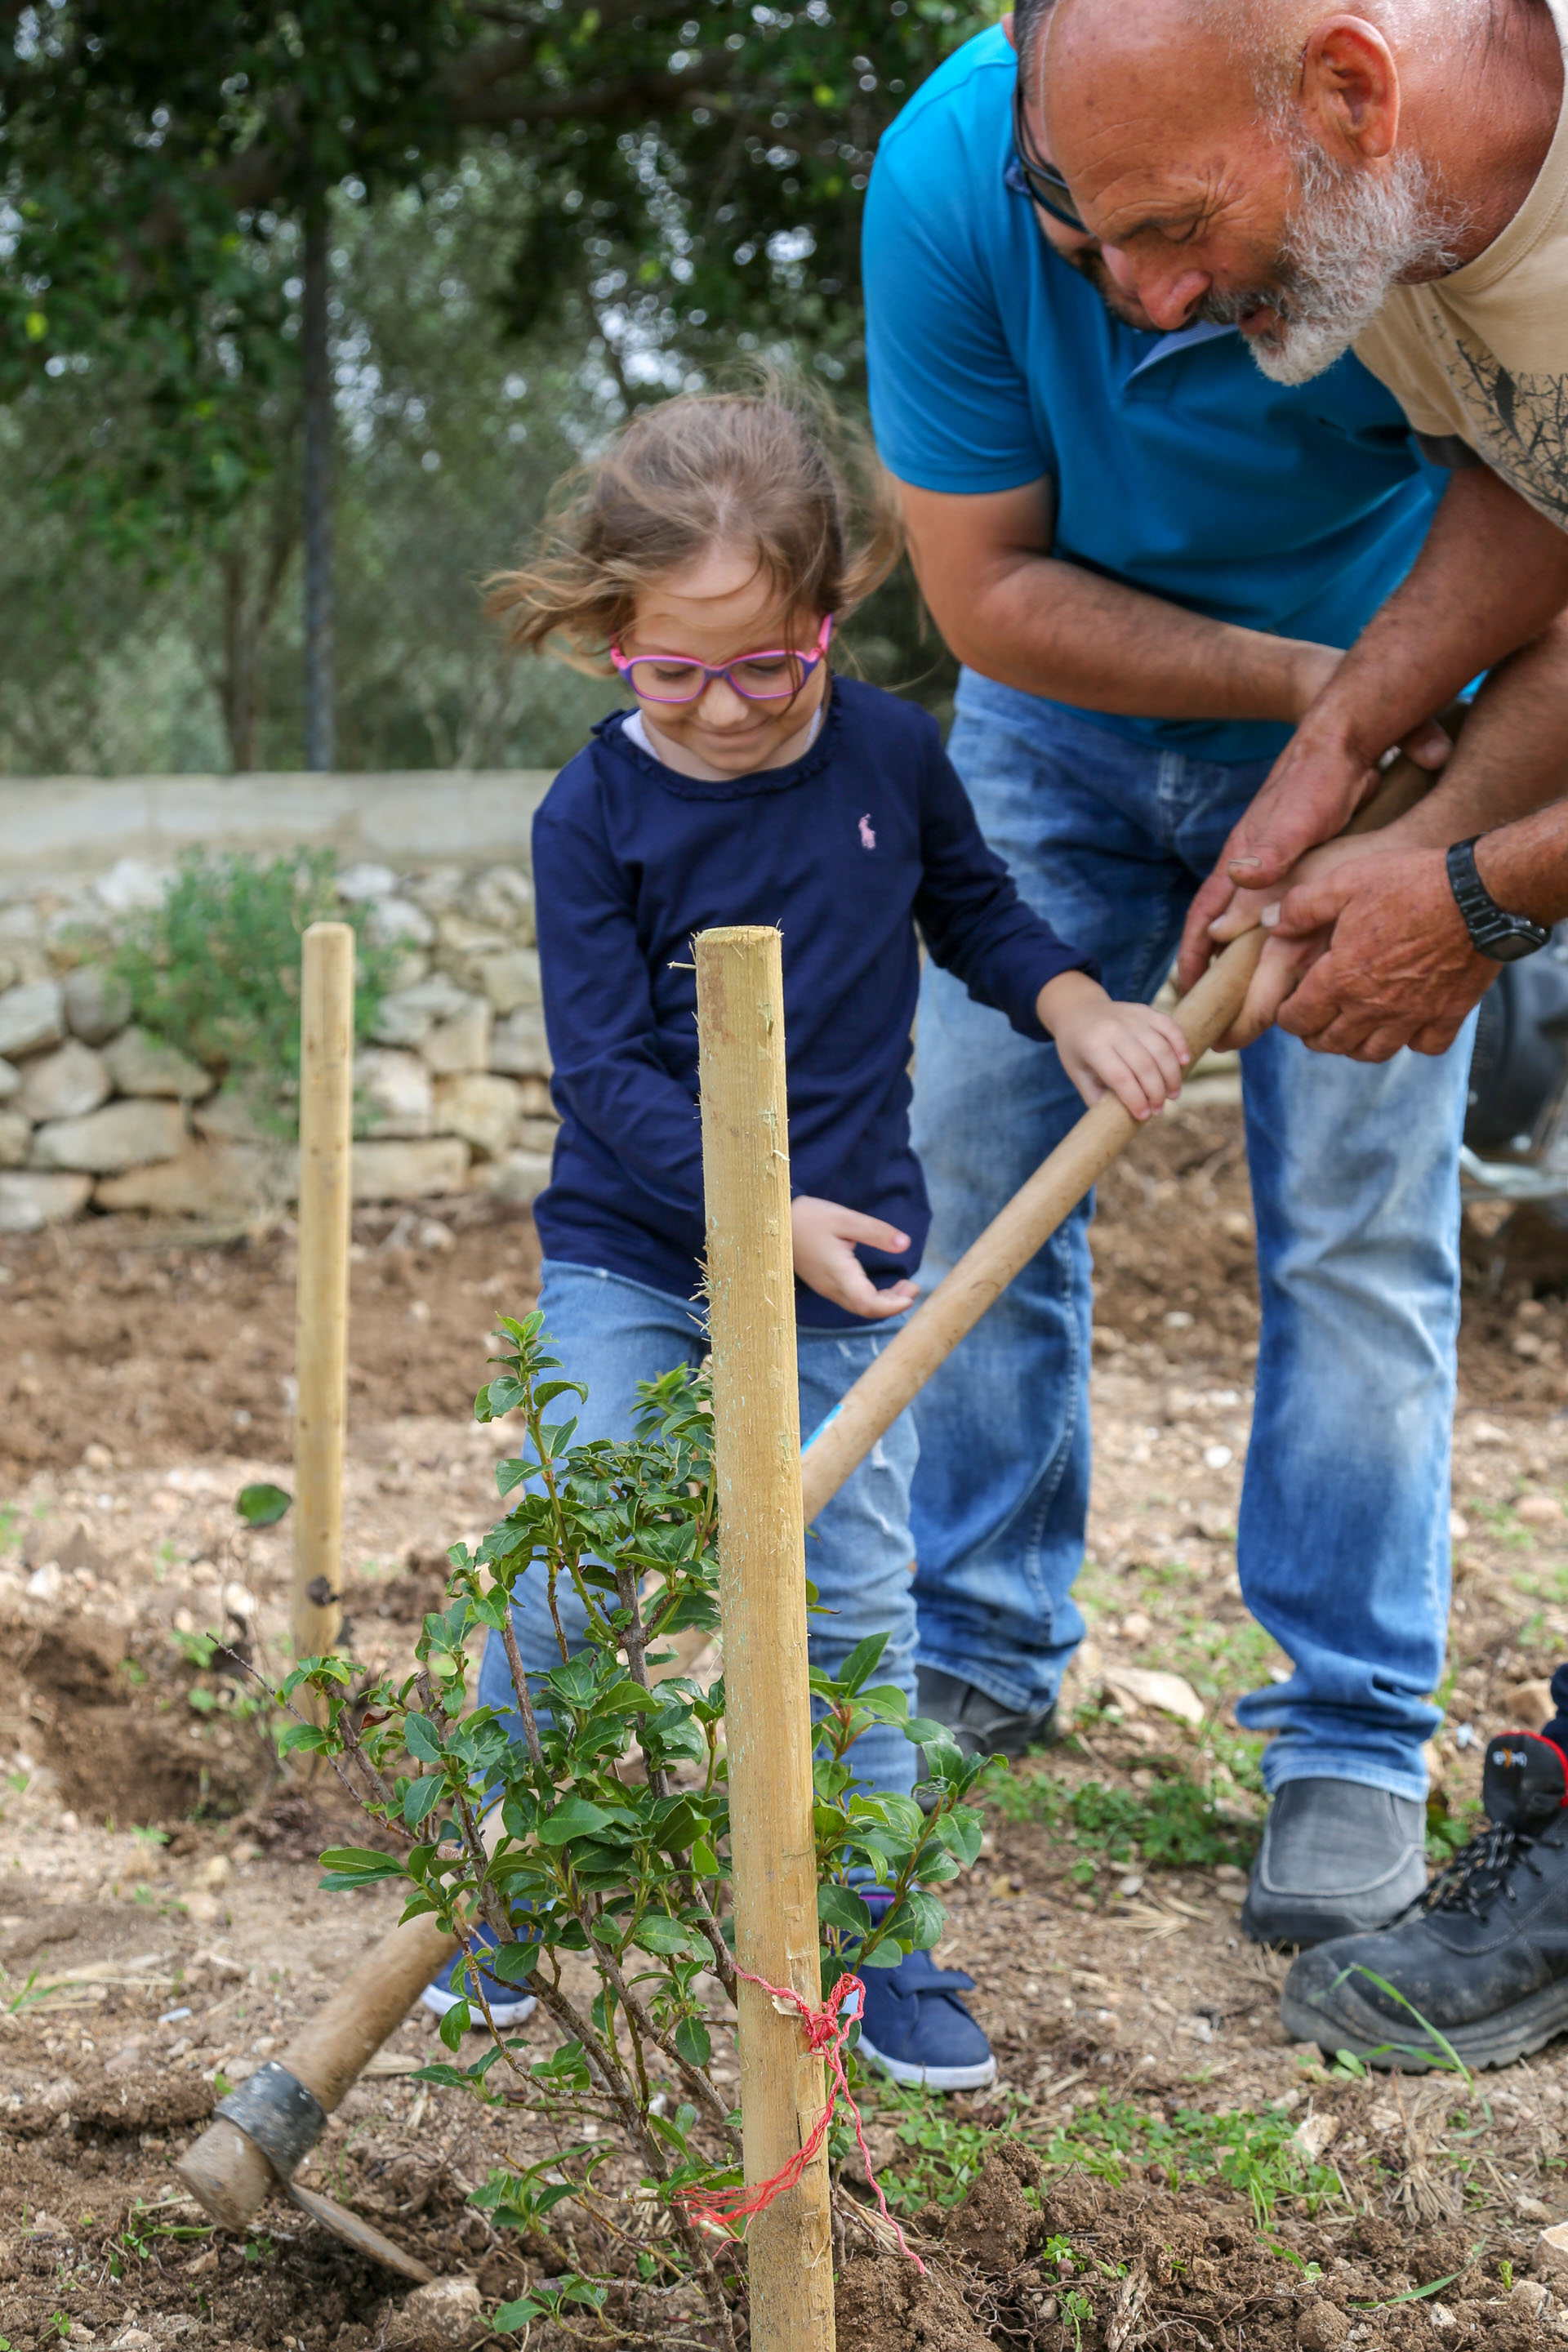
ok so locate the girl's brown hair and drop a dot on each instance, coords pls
(777, 470)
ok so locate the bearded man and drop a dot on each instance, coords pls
(1393, 180)
(1147, 559)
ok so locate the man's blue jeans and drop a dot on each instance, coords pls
(1343, 1532)
(612, 1333)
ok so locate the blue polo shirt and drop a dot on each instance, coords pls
(1179, 468)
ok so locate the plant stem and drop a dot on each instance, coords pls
(696, 2081)
(724, 1968)
(520, 1684)
(560, 2006)
(635, 1641)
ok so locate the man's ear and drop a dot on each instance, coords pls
(1349, 90)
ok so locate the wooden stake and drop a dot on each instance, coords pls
(761, 1553)
(321, 1313)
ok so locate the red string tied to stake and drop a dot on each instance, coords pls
(827, 2033)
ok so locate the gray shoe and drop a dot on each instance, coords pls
(981, 1724)
(1336, 1858)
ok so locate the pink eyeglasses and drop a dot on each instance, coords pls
(755, 677)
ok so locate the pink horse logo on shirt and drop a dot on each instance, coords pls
(867, 838)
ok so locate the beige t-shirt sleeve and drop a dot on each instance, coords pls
(1484, 354)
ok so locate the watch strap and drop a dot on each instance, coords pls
(1493, 931)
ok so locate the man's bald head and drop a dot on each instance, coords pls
(1250, 51)
(1242, 160)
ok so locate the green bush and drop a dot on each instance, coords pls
(215, 969)
(614, 1838)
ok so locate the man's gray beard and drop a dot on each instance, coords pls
(1351, 236)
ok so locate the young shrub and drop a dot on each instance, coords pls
(215, 970)
(603, 1833)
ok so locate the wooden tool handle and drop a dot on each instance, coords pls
(1007, 1246)
(225, 2170)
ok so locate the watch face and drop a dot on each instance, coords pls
(1514, 945)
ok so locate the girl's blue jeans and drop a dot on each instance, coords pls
(613, 1333)
(1343, 1530)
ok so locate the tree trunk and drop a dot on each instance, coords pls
(238, 684)
(253, 567)
(318, 693)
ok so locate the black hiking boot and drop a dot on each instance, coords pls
(1337, 1857)
(980, 1724)
(1477, 1970)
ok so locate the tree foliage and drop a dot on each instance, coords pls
(691, 177)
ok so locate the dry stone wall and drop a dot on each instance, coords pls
(452, 1093)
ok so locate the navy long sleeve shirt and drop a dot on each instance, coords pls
(867, 836)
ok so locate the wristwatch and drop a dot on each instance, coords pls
(1504, 937)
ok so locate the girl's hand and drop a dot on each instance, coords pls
(824, 1237)
(1136, 1053)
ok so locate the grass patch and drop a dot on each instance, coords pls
(1500, 1521)
(1450, 1827)
(1178, 1824)
(938, 2155)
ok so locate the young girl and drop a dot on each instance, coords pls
(710, 555)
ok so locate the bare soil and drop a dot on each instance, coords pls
(161, 1927)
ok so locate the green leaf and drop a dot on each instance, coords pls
(518, 1812)
(307, 1738)
(960, 1833)
(421, 1796)
(421, 1739)
(1415, 2293)
(861, 1662)
(943, 1757)
(694, 2041)
(840, 1906)
(455, 2024)
(357, 1865)
(630, 1699)
(918, 1920)
(659, 1934)
(262, 1506)
(575, 1817)
(512, 1963)
(510, 2317)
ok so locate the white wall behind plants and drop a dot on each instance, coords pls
(74, 824)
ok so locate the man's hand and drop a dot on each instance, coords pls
(1284, 961)
(824, 1236)
(1399, 968)
(1311, 793)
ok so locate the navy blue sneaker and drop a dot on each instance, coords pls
(916, 2030)
(508, 2003)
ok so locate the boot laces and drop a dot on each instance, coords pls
(1481, 1870)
